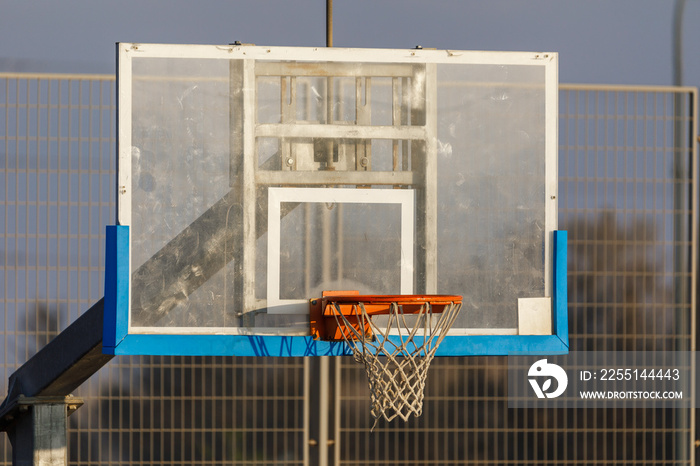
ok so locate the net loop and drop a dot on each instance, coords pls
(396, 354)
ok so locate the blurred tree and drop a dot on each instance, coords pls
(620, 286)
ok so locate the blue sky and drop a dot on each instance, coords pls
(610, 42)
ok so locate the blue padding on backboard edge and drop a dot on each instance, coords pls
(116, 303)
(560, 296)
(116, 339)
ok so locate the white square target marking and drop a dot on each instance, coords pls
(405, 198)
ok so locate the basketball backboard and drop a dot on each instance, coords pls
(251, 179)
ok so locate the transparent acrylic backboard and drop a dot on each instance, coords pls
(251, 179)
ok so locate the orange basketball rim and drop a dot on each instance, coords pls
(324, 311)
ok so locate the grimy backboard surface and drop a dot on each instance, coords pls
(253, 178)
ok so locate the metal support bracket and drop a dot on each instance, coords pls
(35, 412)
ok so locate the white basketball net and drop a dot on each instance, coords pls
(397, 356)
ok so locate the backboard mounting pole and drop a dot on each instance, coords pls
(329, 23)
(323, 373)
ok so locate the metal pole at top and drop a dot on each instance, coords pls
(677, 42)
(329, 23)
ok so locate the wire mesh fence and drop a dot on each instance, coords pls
(627, 195)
